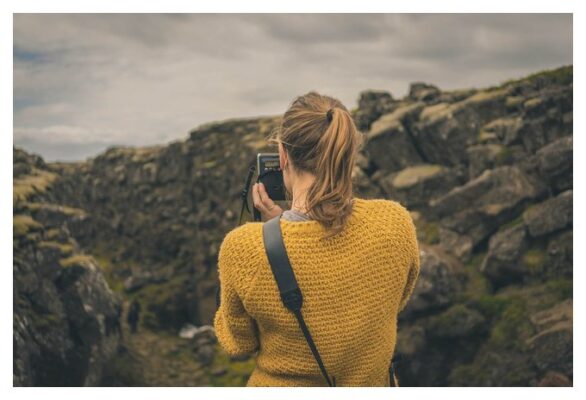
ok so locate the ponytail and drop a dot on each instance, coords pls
(320, 136)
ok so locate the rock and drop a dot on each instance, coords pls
(410, 340)
(459, 245)
(504, 130)
(505, 249)
(66, 318)
(555, 163)
(421, 91)
(371, 105)
(415, 186)
(438, 283)
(389, 144)
(560, 252)
(480, 206)
(485, 156)
(205, 355)
(552, 347)
(543, 120)
(444, 131)
(551, 215)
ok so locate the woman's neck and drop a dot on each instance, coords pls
(299, 192)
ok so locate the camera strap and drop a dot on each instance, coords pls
(288, 287)
(291, 294)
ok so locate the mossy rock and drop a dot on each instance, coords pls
(457, 322)
(512, 328)
(491, 306)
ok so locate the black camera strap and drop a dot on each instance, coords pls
(288, 287)
(291, 294)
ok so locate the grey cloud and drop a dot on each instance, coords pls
(85, 81)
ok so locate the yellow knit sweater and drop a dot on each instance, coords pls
(353, 287)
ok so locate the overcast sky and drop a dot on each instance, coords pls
(85, 82)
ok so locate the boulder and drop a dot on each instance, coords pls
(552, 347)
(444, 131)
(504, 130)
(551, 215)
(505, 249)
(414, 186)
(421, 91)
(371, 105)
(555, 163)
(544, 119)
(440, 279)
(485, 156)
(479, 207)
(560, 255)
(389, 144)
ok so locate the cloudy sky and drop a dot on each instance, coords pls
(85, 82)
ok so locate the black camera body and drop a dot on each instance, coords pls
(270, 174)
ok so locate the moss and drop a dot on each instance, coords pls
(476, 284)
(534, 260)
(513, 327)
(491, 306)
(23, 224)
(78, 259)
(237, 372)
(36, 182)
(504, 156)
(561, 289)
(430, 233)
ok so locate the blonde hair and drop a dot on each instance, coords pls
(320, 137)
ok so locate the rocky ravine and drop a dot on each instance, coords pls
(486, 173)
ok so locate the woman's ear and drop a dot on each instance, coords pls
(282, 157)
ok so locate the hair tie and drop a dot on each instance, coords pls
(330, 114)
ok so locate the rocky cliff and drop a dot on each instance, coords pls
(487, 174)
(66, 318)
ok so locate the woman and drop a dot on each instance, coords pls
(356, 262)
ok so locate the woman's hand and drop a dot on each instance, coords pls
(262, 202)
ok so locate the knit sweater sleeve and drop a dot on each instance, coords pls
(235, 329)
(414, 259)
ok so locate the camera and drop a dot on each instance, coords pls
(270, 175)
